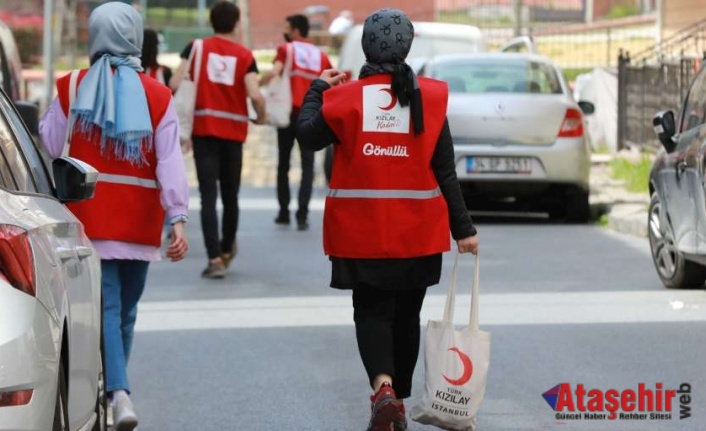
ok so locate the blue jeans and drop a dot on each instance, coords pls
(123, 284)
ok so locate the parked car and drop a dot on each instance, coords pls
(518, 133)
(677, 213)
(51, 369)
(430, 39)
(10, 65)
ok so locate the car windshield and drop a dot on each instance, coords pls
(498, 76)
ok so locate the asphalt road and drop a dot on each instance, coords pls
(271, 347)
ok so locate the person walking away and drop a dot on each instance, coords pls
(307, 64)
(150, 49)
(393, 197)
(228, 76)
(124, 124)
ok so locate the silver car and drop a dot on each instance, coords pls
(51, 370)
(518, 133)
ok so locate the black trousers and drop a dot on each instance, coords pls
(387, 329)
(285, 143)
(218, 161)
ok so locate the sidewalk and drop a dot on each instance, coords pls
(626, 211)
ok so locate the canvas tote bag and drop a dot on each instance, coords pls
(185, 96)
(456, 366)
(278, 95)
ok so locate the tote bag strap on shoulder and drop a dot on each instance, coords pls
(195, 58)
(475, 293)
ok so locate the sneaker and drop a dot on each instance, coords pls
(124, 416)
(384, 409)
(398, 425)
(109, 414)
(227, 258)
(214, 270)
(282, 219)
(302, 225)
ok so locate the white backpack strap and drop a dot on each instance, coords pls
(288, 66)
(73, 84)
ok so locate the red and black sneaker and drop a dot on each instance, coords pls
(400, 425)
(384, 409)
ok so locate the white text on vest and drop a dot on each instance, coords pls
(376, 150)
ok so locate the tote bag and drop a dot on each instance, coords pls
(185, 96)
(456, 366)
(278, 95)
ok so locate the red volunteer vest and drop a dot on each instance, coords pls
(307, 64)
(383, 199)
(156, 73)
(126, 206)
(221, 98)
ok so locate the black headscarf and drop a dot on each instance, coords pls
(387, 39)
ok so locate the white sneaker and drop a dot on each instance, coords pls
(124, 416)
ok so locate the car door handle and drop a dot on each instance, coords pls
(66, 253)
(84, 252)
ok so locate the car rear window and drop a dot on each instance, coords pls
(499, 76)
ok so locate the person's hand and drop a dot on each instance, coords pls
(179, 246)
(469, 244)
(333, 77)
(261, 120)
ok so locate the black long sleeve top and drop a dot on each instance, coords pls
(314, 134)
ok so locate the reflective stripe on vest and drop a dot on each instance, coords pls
(128, 180)
(221, 114)
(302, 74)
(384, 194)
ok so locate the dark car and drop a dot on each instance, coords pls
(677, 214)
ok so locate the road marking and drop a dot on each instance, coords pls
(495, 309)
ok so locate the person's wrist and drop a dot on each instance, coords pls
(178, 219)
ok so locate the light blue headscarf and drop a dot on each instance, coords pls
(116, 102)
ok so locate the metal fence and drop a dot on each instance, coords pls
(656, 79)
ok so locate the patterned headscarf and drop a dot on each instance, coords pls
(387, 39)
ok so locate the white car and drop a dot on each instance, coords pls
(51, 369)
(518, 133)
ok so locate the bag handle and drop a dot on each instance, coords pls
(197, 53)
(475, 294)
(288, 61)
(73, 87)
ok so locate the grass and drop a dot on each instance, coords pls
(602, 221)
(634, 173)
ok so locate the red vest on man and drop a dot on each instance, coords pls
(307, 64)
(221, 97)
(126, 206)
(383, 199)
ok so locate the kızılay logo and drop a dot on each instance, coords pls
(629, 404)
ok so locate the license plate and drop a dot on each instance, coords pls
(499, 165)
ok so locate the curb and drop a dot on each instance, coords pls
(629, 218)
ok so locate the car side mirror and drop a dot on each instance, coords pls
(587, 108)
(75, 180)
(29, 112)
(665, 127)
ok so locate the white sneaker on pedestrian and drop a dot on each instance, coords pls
(109, 414)
(124, 416)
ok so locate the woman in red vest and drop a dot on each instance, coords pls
(150, 49)
(393, 197)
(123, 123)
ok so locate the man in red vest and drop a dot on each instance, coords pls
(307, 62)
(228, 75)
(393, 198)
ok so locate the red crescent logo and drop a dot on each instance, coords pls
(393, 99)
(221, 66)
(467, 369)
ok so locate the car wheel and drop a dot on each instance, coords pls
(675, 271)
(578, 209)
(61, 412)
(101, 409)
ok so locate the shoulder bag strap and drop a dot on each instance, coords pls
(73, 84)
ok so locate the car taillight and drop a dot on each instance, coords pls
(572, 127)
(16, 263)
(16, 398)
